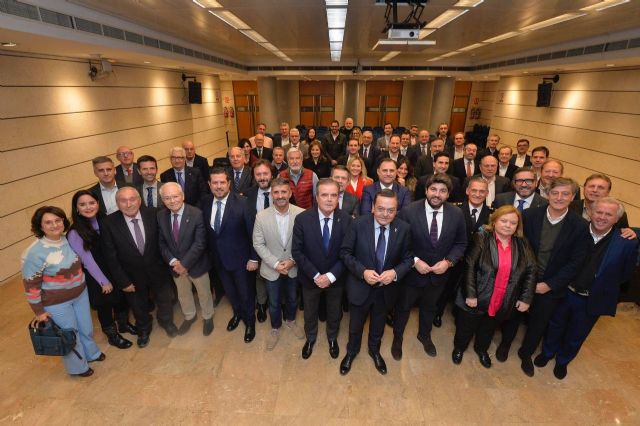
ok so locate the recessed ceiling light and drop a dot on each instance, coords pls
(8, 44)
(230, 19)
(445, 17)
(502, 37)
(611, 65)
(525, 72)
(552, 21)
(389, 55)
(147, 62)
(468, 3)
(605, 4)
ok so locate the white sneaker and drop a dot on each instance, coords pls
(273, 338)
(297, 330)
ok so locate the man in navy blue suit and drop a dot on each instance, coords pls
(317, 237)
(192, 182)
(438, 241)
(387, 171)
(377, 253)
(230, 227)
(594, 291)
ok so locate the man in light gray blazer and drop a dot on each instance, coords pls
(183, 242)
(272, 236)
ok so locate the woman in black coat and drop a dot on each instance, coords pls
(317, 161)
(500, 276)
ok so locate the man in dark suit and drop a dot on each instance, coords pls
(194, 160)
(467, 166)
(387, 172)
(190, 180)
(107, 187)
(524, 196)
(317, 238)
(230, 227)
(278, 164)
(559, 239)
(377, 254)
(130, 242)
(334, 143)
(491, 147)
(150, 188)
(353, 147)
(261, 151)
(420, 149)
(347, 202)
(521, 158)
(259, 198)
(438, 241)
(497, 184)
(424, 166)
(443, 133)
(368, 152)
(241, 175)
(440, 165)
(282, 139)
(127, 171)
(594, 291)
(393, 151)
(505, 168)
(183, 245)
(596, 186)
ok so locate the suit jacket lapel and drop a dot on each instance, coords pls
(391, 242)
(125, 230)
(225, 215)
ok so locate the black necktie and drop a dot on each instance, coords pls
(265, 194)
(380, 249)
(433, 232)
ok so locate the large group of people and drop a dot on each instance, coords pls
(335, 223)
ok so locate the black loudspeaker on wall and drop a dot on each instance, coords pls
(195, 92)
(544, 94)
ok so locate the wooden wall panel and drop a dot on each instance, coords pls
(65, 120)
(592, 125)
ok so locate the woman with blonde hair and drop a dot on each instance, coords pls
(358, 177)
(500, 277)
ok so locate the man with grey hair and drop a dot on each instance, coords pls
(241, 175)
(282, 139)
(189, 178)
(302, 181)
(183, 244)
(261, 129)
(368, 152)
(294, 139)
(594, 291)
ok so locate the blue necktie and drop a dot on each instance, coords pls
(150, 197)
(326, 236)
(380, 248)
(433, 232)
(217, 219)
(521, 205)
(236, 181)
(180, 180)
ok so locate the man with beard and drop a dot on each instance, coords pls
(524, 196)
(438, 241)
(302, 181)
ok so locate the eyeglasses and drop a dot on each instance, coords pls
(176, 158)
(521, 181)
(124, 154)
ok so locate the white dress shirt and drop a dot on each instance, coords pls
(109, 198)
(215, 209)
(140, 225)
(439, 218)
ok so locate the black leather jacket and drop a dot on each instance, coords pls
(480, 275)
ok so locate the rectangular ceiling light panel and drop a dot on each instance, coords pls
(552, 21)
(606, 4)
(445, 17)
(336, 17)
(502, 37)
(230, 19)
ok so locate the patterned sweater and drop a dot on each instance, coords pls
(51, 273)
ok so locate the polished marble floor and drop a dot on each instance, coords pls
(221, 380)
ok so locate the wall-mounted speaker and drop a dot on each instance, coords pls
(195, 92)
(544, 94)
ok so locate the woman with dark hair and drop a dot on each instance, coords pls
(249, 158)
(317, 161)
(405, 176)
(311, 136)
(500, 277)
(55, 288)
(84, 238)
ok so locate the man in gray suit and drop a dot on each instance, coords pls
(347, 202)
(272, 237)
(524, 196)
(183, 242)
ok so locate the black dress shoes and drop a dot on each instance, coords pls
(100, 358)
(143, 340)
(456, 356)
(502, 353)
(127, 327)
(560, 371)
(345, 365)
(307, 349)
(261, 315)
(437, 321)
(207, 326)
(249, 334)
(334, 349)
(396, 348)
(428, 345)
(541, 360)
(233, 323)
(526, 364)
(484, 359)
(87, 373)
(185, 326)
(378, 361)
(170, 329)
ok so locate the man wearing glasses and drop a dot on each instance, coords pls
(127, 171)
(524, 195)
(189, 179)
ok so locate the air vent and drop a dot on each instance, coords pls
(164, 45)
(188, 52)
(598, 48)
(616, 45)
(575, 52)
(197, 54)
(17, 8)
(88, 26)
(634, 43)
(133, 37)
(151, 42)
(558, 55)
(113, 32)
(178, 49)
(55, 18)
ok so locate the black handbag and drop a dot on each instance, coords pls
(49, 339)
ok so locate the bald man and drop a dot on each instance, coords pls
(127, 170)
(194, 160)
